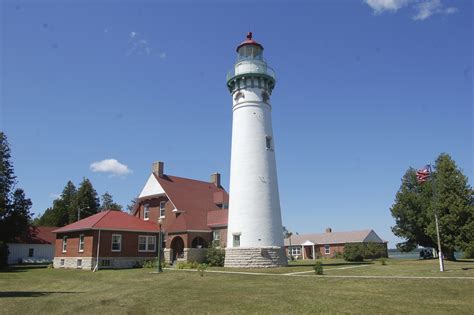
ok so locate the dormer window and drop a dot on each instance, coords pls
(146, 212)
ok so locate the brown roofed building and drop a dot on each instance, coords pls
(193, 213)
(328, 244)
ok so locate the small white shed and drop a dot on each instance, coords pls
(37, 246)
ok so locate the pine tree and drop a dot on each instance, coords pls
(86, 201)
(63, 208)
(446, 193)
(108, 203)
(14, 206)
(452, 202)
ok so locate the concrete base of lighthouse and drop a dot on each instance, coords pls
(255, 257)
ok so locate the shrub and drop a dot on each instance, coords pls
(354, 251)
(215, 255)
(201, 268)
(374, 250)
(338, 255)
(3, 255)
(383, 262)
(318, 268)
(468, 252)
(149, 263)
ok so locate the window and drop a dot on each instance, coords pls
(146, 243)
(61, 262)
(162, 209)
(79, 263)
(105, 263)
(327, 249)
(295, 250)
(146, 212)
(116, 242)
(268, 142)
(81, 243)
(216, 235)
(236, 241)
(31, 252)
(64, 244)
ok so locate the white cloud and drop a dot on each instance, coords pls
(451, 10)
(163, 55)
(427, 9)
(423, 8)
(380, 6)
(138, 45)
(111, 166)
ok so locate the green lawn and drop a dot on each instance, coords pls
(41, 290)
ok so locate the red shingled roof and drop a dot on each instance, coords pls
(110, 220)
(194, 199)
(217, 218)
(38, 235)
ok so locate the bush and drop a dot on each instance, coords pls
(354, 251)
(215, 255)
(468, 252)
(201, 268)
(374, 250)
(338, 255)
(383, 261)
(318, 268)
(149, 263)
(361, 251)
(3, 255)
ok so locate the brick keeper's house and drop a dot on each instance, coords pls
(193, 214)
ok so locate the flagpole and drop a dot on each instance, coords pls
(440, 253)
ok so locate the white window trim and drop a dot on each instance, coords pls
(64, 244)
(83, 245)
(162, 209)
(295, 250)
(146, 243)
(327, 249)
(218, 233)
(112, 243)
(146, 212)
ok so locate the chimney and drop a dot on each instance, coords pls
(328, 230)
(158, 168)
(216, 179)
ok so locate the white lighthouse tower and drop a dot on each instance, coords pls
(254, 235)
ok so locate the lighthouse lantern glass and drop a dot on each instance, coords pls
(250, 52)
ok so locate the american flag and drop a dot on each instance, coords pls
(422, 175)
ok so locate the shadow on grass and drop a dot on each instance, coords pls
(334, 264)
(7, 294)
(22, 268)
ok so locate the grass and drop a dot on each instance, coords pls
(41, 290)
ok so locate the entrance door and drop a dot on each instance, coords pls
(177, 245)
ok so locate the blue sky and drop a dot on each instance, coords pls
(365, 90)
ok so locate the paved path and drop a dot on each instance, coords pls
(323, 276)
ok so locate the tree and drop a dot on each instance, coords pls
(86, 199)
(108, 203)
(62, 210)
(14, 206)
(132, 204)
(287, 235)
(447, 193)
(452, 202)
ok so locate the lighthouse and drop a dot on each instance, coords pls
(254, 235)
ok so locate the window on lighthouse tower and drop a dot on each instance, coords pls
(268, 142)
